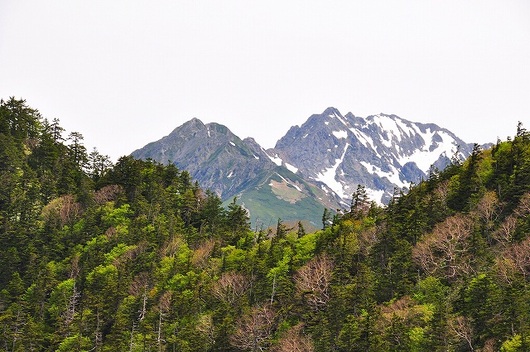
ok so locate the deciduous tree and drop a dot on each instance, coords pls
(254, 330)
(313, 281)
(230, 287)
(294, 340)
(445, 251)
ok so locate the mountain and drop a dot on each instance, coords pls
(380, 152)
(212, 154)
(222, 162)
(314, 166)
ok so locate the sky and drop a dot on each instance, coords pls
(127, 72)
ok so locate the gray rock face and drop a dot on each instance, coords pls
(214, 156)
(380, 152)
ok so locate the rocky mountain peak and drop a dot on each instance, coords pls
(380, 151)
(212, 154)
(193, 124)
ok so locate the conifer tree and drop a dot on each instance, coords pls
(360, 202)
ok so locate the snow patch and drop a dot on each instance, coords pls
(275, 159)
(376, 195)
(392, 176)
(343, 121)
(386, 123)
(417, 129)
(291, 168)
(327, 176)
(404, 128)
(365, 140)
(340, 134)
(394, 128)
(278, 161)
(335, 115)
(423, 157)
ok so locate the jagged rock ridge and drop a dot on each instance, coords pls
(381, 152)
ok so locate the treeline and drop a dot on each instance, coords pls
(136, 257)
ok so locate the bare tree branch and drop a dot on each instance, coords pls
(313, 279)
(254, 330)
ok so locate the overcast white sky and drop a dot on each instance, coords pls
(127, 72)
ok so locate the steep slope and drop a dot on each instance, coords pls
(381, 152)
(281, 194)
(222, 162)
(212, 154)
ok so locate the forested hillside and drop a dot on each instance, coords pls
(136, 257)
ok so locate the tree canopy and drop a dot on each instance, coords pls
(135, 256)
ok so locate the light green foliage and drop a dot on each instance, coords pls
(60, 297)
(304, 249)
(283, 265)
(417, 339)
(181, 282)
(485, 168)
(513, 344)
(425, 312)
(117, 252)
(95, 243)
(117, 217)
(430, 291)
(233, 258)
(166, 268)
(75, 343)
(103, 276)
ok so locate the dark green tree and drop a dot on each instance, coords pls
(237, 222)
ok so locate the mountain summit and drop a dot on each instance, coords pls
(314, 166)
(212, 154)
(380, 152)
